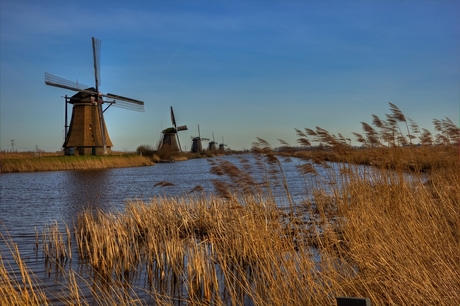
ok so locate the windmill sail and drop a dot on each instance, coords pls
(56, 81)
(96, 61)
(117, 100)
(173, 119)
(97, 77)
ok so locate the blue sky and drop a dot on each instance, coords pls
(239, 69)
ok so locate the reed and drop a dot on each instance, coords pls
(20, 287)
(57, 163)
(384, 145)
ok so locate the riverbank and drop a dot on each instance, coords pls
(55, 161)
(27, 163)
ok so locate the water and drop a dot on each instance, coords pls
(30, 201)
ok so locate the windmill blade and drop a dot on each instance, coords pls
(96, 61)
(126, 103)
(117, 97)
(120, 101)
(205, 139)
(56, 81)
(178, 142)
(181, 128)
(173, 120)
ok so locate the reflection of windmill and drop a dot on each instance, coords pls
(170, 139)
(196, 142)
(212, 146)
(87, 132)
(222, 145)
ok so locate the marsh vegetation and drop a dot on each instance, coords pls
(391, 234)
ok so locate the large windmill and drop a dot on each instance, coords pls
(87, 133)
(169, 137)
(212, 146)
(196, 142)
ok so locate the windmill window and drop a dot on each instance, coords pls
(90, 127)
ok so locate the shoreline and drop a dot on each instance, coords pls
(30, 162)
(63, 163)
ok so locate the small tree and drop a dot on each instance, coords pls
(145, 150)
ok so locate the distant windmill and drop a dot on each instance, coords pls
(196, 142)
(212, 146)
(87, 133)
(169, 138)
(222, 145)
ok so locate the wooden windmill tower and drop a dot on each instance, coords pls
(196, 142)
(87, 133)
(169, 138)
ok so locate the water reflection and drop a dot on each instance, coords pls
(83, 189)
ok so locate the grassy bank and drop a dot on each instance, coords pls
(55, 163)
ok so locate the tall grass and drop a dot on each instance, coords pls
(384, 145)
(385, 235)
(20, 288)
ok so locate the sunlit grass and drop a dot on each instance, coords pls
(55, 163)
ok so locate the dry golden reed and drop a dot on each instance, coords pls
(20, 287)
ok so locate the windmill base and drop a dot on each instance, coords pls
(86, 151)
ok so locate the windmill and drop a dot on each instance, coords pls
(222, 145)
(170, 139)
(196, 142)
(87, 133)
(212, 146)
